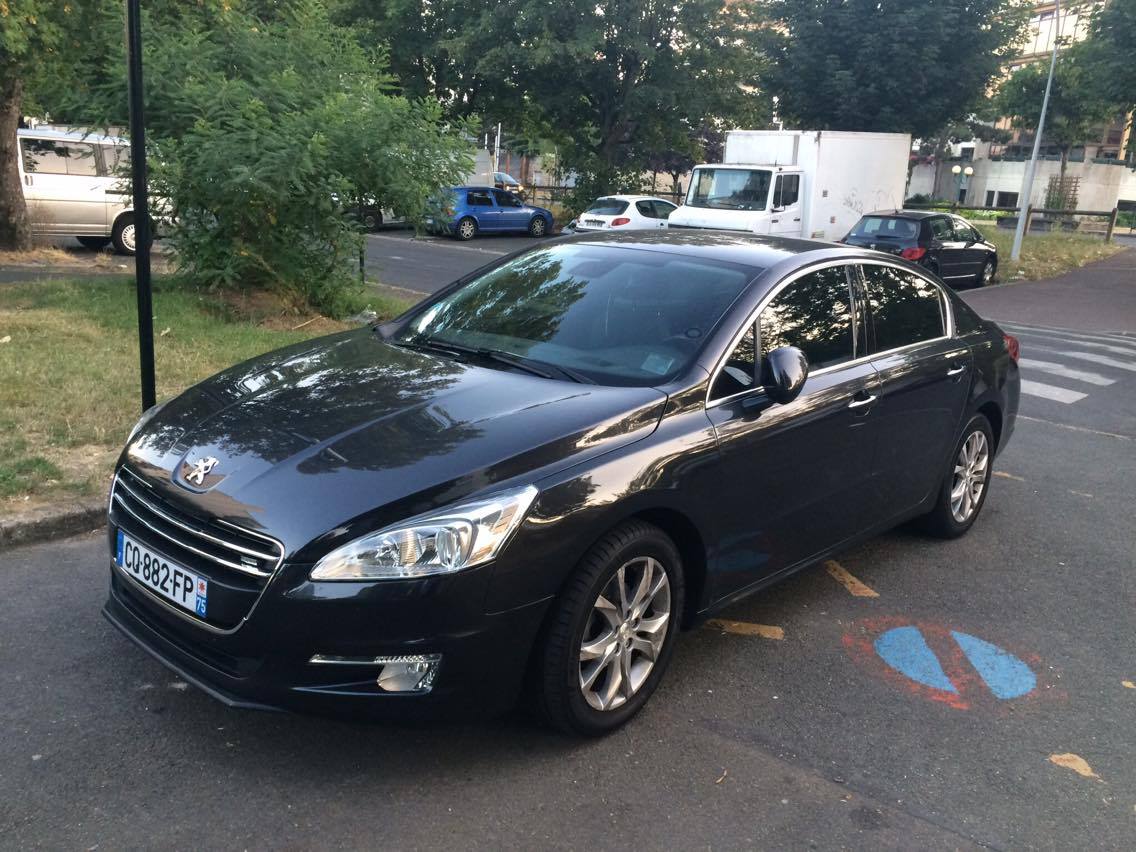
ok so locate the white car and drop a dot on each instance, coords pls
(626, 213)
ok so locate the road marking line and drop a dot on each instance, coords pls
(1073, 428)
(1005, 475)
(437, 242)
(1065, 372)
(840, 574)
(1097, 359)
(746, 628)
(1089, 344)
(1051, 392)
(1115, 337)
(1080, 493)
(1074, 762)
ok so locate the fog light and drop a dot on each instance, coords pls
(408, 674)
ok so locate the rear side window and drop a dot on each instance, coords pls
(478, 198)
(49, 157)
(814, 313)
(607, 207)
(885, 227)
(905, 308)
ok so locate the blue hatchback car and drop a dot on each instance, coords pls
(469, 210)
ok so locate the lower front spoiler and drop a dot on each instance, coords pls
(481, 672)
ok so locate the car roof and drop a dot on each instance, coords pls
(757, 250)
(474, 187)
(909, 214)
(69, 135)
(621, 197)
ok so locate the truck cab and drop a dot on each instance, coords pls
(759, 199)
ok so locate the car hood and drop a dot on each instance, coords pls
(726, 220)
(350, 433)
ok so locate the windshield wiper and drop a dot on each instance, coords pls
(529, 365)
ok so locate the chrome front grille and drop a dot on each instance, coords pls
(213, 542)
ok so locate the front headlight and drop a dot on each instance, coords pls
(440, 542)
(146, 417)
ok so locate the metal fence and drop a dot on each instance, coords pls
(1041, 219)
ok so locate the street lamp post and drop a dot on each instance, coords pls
(139, 179)
(1031, 169)
(962, 180)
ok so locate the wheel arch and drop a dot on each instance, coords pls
(993, 414)
(118, 217)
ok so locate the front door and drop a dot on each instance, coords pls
(946, 250)
(785, 212)
(514, 217)
(926, 376)
(65, 191)
(792, 479)
(971, 252)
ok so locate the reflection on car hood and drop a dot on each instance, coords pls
(313, 436)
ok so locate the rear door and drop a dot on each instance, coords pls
(925, 374)
(791, 478)
(786, 207)
(62, 184)
(480, 205)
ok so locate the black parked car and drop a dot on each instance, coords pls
(541, 473)
(947, 245)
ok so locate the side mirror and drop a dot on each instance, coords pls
(777, 210)
(786, 369)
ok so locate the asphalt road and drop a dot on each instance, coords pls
(425, 263)
(812, 739)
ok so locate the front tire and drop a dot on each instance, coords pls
(538, 227)
(966, 482)
(466, 229)
(612, 632)
(986, 275)
(123, 236)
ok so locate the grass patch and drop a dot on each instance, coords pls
(1045, 255)
(69, 373)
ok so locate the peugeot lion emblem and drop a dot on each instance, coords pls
(200, 470)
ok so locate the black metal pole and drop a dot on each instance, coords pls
(141, 204)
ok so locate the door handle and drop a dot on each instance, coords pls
(862, 401)
(797, 219)
(774, 220)
(955, 371)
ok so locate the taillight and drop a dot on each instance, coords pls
(620, 220)
(1012, 346)
(913, 253)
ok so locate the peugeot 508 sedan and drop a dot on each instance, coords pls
(539, 475)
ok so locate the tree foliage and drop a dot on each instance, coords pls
(886, 65)
(1108, 53)
(268, 124)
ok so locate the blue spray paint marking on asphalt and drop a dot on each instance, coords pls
(906, 651)
(1006, 675)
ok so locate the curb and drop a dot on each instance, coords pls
(51, 522)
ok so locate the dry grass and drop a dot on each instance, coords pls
(1045, 255)
(69, 371)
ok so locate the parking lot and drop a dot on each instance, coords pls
(914, 693)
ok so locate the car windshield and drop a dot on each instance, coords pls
(730, 189)
(607, 207)
(885, 228)
(612, 315)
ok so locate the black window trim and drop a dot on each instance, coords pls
(859, 293)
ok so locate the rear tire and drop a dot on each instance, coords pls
(966, 481)
(94, 243)
(466, 229)
(538, 227)
(601, 659)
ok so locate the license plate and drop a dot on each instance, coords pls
(429, 221)
(158, 574)
(597, 222)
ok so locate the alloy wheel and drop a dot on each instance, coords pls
(128, 237)
(625, 633)
(970, 476)
(466, 229)
(537, 227)
(987, 274)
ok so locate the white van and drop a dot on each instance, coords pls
(73, 186)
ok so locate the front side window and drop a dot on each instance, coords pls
(941, 228)
(645, 208)
(616, 315)
(964, 232)
(739, 372)
(905, 308)
(815, 314)
(50, 157)
(730, 189)
(506, 199)
(664, 209)
(478, 198)
(787, 191)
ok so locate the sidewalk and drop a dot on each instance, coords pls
(1097, 297)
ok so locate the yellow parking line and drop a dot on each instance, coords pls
(1075, 762)
(854, 586)
(746, 628)
(1005, 475)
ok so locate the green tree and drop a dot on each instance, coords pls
(1108, 53)
(1076, 107)
(886, 65)
(31, 35)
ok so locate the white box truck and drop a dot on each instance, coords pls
(797, 183)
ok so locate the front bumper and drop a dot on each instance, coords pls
(265, 662)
